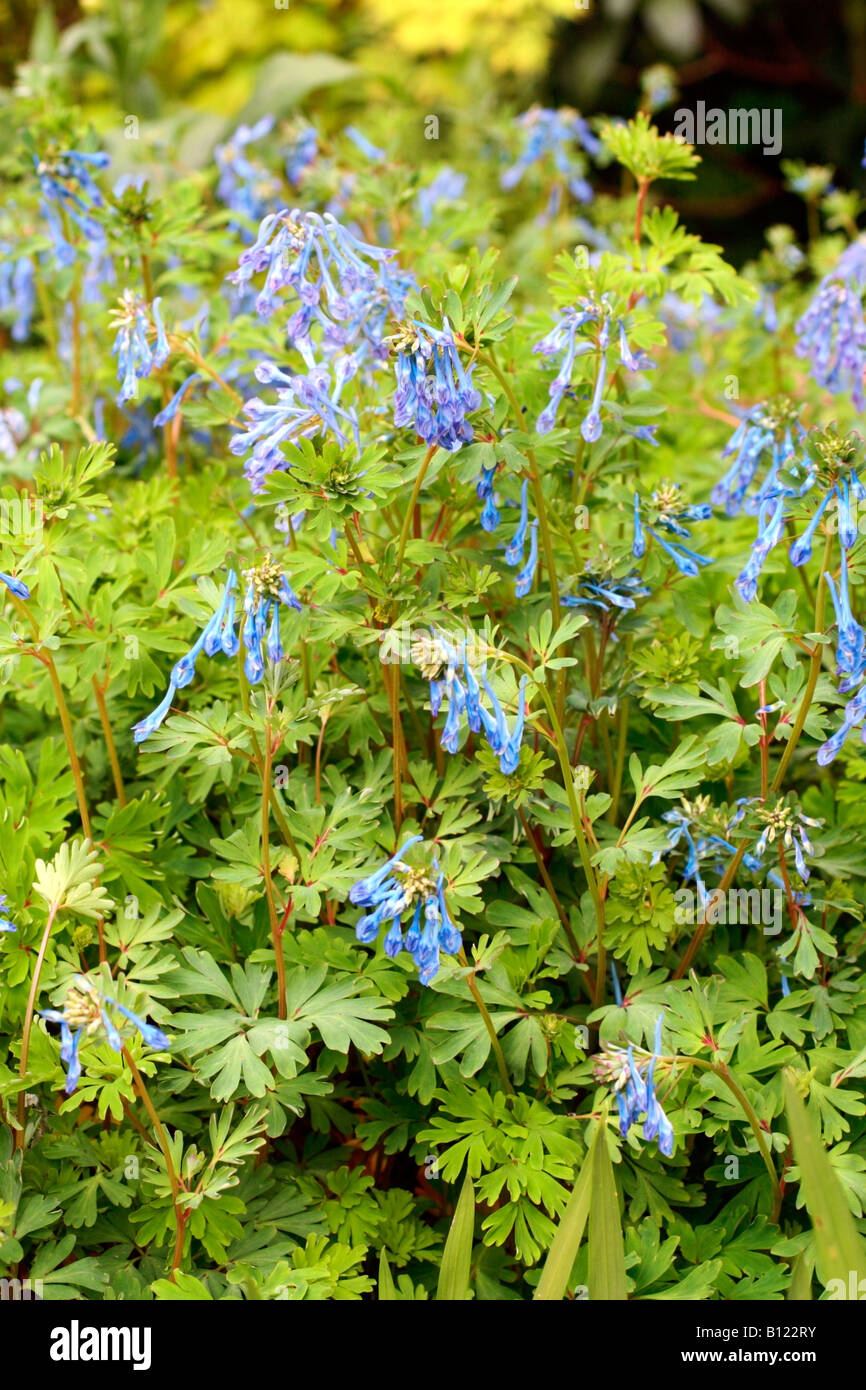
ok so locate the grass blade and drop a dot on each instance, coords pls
(553, 1284)
(457, 1255)
(387, 1292)
(606, 1251)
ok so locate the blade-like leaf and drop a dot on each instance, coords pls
(606, 1250)
(553, 1284)
(840, 1248)
(457, 1255)
(386, 1283)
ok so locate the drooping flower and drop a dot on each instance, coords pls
(634, 1086)
(6, 923)
(446, 187)
(268, 590)
(562, 341)
(18, 293)
(832, 331)
(367, 148)
(136, 322)
(434, 392)
(67, 184)
(490, 517)
(453, 678)
(85, 1015)
(768, 432)
(850, 637)
(601, 588)
(771, 528)
(393, 890)
(15, 586)
(346, 287)
(555, 133)
(666, 511)
(245, 185)
(307, 404)
(302, 150)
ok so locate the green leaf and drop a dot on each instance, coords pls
(839, 1246)
(553, 1284)
(457, 1256)
(387, 1292)
(606, 1249)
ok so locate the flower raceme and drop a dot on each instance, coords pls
(135, 322)
(85, 1014)
(634, 1088)
(768, 431)
(832, 333)
(268, 591)
(562, 341)
(554, 133)
(396, 889)
(434, 391)
(453, 679)
(669, 513)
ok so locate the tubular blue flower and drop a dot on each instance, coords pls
(770, 429)
(554, 133)
(446, 187)
(434, 391)
(360, 141)
(598, 588)
(245, 185)
(523, 581)
(307, 405)
(267, 590)
(514, 550)
(389, 897)
(15, 586)
(135, 356)
(635, 1092)
(801, 549)
(6, 923)
(855, 714)
(85, 1014)
(67, 183)
(832, 333)
(169, 411)
(638, 548)
(562, 340)
(490, 517)
(771, 528)
(510, 755)
(18, 293)
(850, 637)
(302, 152)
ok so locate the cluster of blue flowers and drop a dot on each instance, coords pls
(330, 271)
(302, 151)
(832, 331)
(562, 341)
(245, 185)
(434, 391)
(18, 292)
(769, 432)
(136, 356)
(388, 897)
(84, 1014)
(68, 188)
(307, 404)
(554, 133)
(669, 513)
(634, 1087)
(599, 588)
(452, 678)
(446, 187)
(268, 590)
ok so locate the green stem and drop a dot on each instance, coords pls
(488, 1024)
(410, 510)
(721, 1071)
(276, 932)
(180, 1216)
(28, 1018)
(814, 670)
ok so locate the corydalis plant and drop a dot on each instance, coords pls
(397, 888)
(86, 1013)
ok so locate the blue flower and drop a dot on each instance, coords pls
(67, 183)
(85, 1014)
(301, 152)
(346, 287)
(850, 637)
(245, 185)
(562, 341)
(635, 1092)
(367, 148)
(268, 590)
(598, 588)
(832, 331)
(434, 391)
(15, 586)
(771, 528)
(307, 404)
(440, 662)
(490, 517)
(18, 294)
(670, 514)
(446, 187)
(135, 322)
(6, 923)
(523, 581)
(768, 430)
(396, 888)
(554, 133)
(854, 716)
